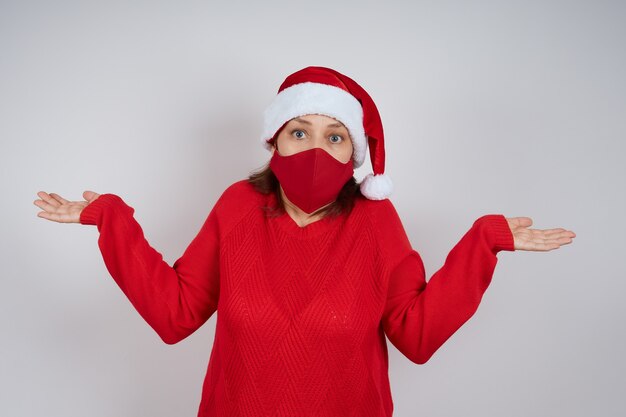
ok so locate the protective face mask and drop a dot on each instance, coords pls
(312, 178)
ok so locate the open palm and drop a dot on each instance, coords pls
(58, 209)
(536, 239)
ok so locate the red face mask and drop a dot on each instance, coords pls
(311, 179)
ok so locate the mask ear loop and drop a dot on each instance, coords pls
(275, 143)
(274, 140)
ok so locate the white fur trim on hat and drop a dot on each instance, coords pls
(315, 98)
(376, 187)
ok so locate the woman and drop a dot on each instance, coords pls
(309, 270)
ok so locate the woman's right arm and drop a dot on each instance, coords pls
(174, 300)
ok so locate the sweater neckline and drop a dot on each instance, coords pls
(289, 225)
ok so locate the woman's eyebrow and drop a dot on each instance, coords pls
(297, 119)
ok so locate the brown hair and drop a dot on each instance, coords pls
(264, 181)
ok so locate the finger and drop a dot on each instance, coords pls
(46, 197)
(44, 205)
(564, 240)
(555, 230)
(540, 246)
(553, 233)
(546, 232)
(90, 195)
(551, 243)
(45, 215)
(59, 198)
(521, 221)
(549, 246)
(563, 233)
(53, 217)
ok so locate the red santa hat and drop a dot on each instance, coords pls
(320, 90)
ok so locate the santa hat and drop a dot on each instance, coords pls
(320, 90)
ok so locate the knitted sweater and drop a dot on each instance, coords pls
(302, 311)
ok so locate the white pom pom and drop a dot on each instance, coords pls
(376, 187)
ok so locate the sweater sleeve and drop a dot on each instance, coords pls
(174, 300)
(419, 317)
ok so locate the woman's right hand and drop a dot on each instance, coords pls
(58, 209)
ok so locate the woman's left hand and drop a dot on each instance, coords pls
(535, 239)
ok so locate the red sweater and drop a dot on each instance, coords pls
(302, 312)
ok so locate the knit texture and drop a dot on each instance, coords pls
(302, 312)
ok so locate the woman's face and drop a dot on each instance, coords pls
(315, 131)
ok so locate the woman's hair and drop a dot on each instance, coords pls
(264, 181)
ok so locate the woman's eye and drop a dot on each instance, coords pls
(336, 139)
(298, 134)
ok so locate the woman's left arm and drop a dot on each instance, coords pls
(419, 317)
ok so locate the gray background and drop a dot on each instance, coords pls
(489, 107)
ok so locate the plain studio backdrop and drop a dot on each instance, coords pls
(488, 107)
